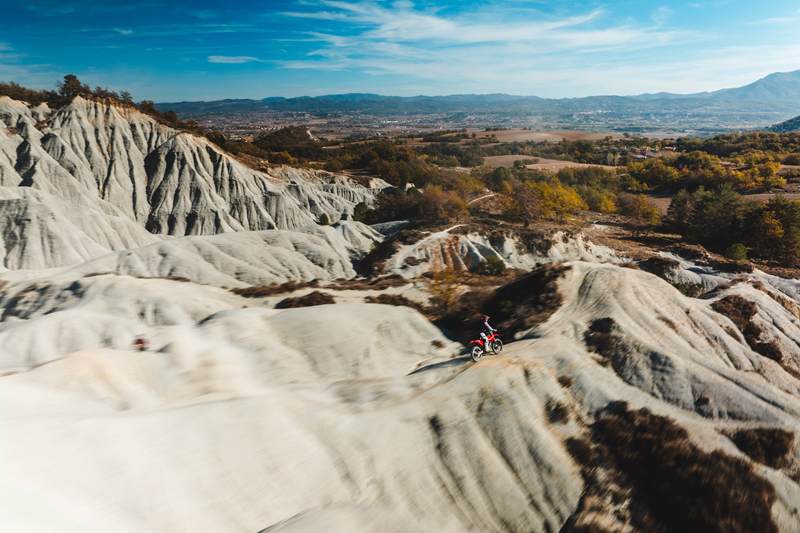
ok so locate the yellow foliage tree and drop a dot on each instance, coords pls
(444, 289)
(550, 200)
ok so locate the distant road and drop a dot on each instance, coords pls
(479, 198)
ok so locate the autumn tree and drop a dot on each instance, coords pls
(546, 199)
(444, 289)
(640, 209)
(438, 204)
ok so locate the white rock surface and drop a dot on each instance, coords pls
(448, 249)
(343, 417)
(169, 182)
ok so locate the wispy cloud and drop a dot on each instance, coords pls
(790, 18)
(508, 44)
(123, 31)
(233, 60)
(403, 23)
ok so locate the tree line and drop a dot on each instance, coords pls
(70, 87)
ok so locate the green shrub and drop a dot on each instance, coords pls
(492, 266)
(736, 252)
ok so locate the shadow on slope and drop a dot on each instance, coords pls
(514, 308)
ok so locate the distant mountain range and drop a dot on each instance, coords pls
(762, 102)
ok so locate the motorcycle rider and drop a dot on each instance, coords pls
(486, 331)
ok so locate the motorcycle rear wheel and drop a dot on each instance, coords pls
(477, 353)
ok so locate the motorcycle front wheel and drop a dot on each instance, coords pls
(477, 353)
(497, 346)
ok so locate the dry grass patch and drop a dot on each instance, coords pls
(394, 299)
(262, 291)
(377, 284)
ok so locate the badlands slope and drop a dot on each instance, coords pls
(345, 417)
(92, 177)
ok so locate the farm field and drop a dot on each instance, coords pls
(542, 163)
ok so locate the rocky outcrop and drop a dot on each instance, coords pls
(464, 248)
(167, 181)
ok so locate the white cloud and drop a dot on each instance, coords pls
(123, 31)
(232, 60)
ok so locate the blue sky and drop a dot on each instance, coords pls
(171, 50)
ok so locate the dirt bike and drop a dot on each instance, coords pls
(479, 350)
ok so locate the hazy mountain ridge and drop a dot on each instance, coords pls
(776, 93)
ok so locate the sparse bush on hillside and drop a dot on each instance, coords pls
(309, 300)
(262, 291)
(557, 412)
(296, 141)
(741, 313)
(769, 446)
(434, 204)
(639, 208)
(492, 266)
(394, 299)
(736, 252)
(672, 484)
